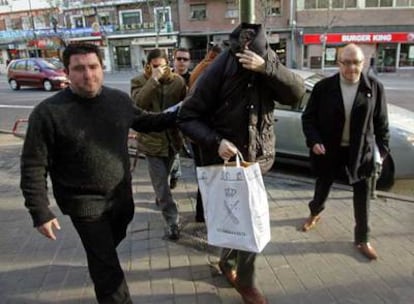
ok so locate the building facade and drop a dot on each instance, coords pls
(305, 33)
(383, 28)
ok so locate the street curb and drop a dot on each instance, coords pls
(379, 193)
(2, 131)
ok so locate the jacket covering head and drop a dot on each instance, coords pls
(252, 33)
(235, 103)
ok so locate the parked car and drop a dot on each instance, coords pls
(291, 145)
(36, 72)
(56, 62)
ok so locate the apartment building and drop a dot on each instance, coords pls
(305, 33)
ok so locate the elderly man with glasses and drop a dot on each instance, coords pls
(345, 119)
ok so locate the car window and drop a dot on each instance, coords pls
(19, 65)
(298, 107)
(311, 81)
(304, 100)
(56, 62)
(47, 65)
(31, 65)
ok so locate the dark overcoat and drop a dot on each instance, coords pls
(323, 121)
(231, 102)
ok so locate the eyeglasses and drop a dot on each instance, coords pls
(182, 59)
(349, 63)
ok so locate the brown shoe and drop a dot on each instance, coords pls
(251, 295)
(230, 274)
(367, 250)
(311, 222)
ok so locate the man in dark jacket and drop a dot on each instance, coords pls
(345, 118)
(79, 136)
(230, 109)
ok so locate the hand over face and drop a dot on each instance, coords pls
(157, 72)
(251, 61)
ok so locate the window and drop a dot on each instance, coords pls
(407, 55)
(162, 17)
(350, 3)
(26, 24)
(323, 4)
(309, 4)
(77, 21)
(378, 3)
(232, 10)
(273, 8)
(404, 3)
(16, 24)
(129, 17)
(198, 12)
(39, 21)
(344, 3)
(104, 19)
(32, 66)
(20, 65)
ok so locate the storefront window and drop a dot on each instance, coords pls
(386, 57)
(330, 56)
(407, 55)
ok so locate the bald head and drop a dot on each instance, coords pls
(351, 63)
(352, 50)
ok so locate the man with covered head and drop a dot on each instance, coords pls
(230, 110)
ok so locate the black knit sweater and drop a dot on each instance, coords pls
(82, 144)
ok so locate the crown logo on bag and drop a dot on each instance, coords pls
(230, 192)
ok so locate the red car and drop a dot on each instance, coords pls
(36, 72)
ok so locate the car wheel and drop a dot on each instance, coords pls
(387, 177)
(47, 85)
(14, 85)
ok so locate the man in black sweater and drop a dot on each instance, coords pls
(79, 137)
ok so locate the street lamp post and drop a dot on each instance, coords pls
(32, 25)
(247, 13)
(293, 45)
(323, 39)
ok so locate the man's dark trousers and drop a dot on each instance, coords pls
(100, 236)
(361, 195)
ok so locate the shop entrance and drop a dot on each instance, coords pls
(386, 58)
(280, 49)
(123, 57)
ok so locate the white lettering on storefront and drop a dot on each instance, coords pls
(356, 38)
(382, 37)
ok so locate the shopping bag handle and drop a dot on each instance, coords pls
(240, 162)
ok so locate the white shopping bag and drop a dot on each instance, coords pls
(235, 206)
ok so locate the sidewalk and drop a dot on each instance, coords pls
(319, 267)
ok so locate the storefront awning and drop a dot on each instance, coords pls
(342, 38)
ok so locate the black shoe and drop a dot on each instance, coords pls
(173, 182)
(157, 202)
(173, 232)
